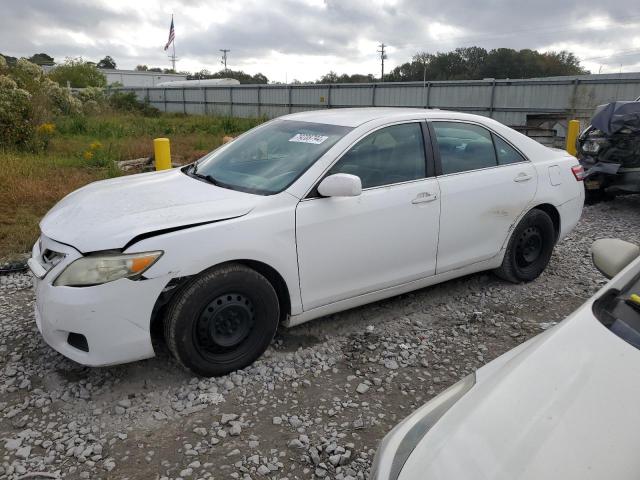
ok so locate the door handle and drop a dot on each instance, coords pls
(424, 197)
(522, 177)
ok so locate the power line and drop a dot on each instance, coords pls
(619, 53)
(224, 51)
(383, 56)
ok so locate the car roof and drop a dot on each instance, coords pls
(354, 117)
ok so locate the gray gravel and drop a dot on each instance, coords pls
(315, 406)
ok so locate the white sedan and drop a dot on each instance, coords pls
(559, 406)
(301, 217)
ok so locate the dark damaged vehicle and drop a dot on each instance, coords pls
(609, 150)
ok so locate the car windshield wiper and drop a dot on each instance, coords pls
(208, 178)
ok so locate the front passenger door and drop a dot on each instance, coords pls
(349, 246)
(485, 185)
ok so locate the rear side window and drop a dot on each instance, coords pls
(390, 155)
(506, 153)
(463, 147)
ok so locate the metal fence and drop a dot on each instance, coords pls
(513, 102)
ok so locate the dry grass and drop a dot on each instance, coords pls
(30, 184)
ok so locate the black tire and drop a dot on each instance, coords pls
(222, 321)
(529, 248)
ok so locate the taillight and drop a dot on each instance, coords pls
(578, 172)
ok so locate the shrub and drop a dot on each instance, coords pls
(60, 100)
(16, 128)
(4, 67)
(128, 102)
(91, 93)
(30, 99)
(43, 136)
(78, 74)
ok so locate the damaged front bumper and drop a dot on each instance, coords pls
(96, 325)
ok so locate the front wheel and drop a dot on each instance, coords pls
(529, 248)
(222, 321)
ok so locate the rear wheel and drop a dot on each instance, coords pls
(529, 248)
(222, 321)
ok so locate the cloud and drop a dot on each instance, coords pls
(306, 38)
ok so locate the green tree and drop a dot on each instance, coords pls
(108, 63)
(11, 61)
(471, 63)
(239, 75)
(41, 59)
(333, 77)
(78, 73)
(141, 68)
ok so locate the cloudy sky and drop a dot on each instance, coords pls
(303, 39)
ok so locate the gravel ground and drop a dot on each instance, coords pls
(315, 406)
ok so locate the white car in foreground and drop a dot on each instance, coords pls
(303, 216)
(562, 405)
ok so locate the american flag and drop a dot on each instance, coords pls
(172, 35)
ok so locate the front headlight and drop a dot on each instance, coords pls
(97, 269)
(399, 443)
(591, 146)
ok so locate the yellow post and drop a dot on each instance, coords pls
(162, 153)
(572, 135)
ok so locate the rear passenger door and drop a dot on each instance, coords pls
(485, 185)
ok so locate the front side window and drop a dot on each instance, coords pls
(390, 155)
(271, 157)
(463, 147)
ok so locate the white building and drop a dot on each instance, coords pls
(133, 78)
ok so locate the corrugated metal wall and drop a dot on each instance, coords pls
(508, 101)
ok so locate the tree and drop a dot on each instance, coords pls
(107, 62)
(471, 63)
(78, 73)
(41, 59)
(239, 75)
(11, 61)
(141, 68)
(333, 77)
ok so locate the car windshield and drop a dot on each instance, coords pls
(269, 158)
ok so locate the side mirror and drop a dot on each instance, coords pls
(340, 185)
(611, 255)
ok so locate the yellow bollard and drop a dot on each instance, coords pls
(162, 153)
(572, 135)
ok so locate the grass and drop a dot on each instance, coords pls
(31, 183)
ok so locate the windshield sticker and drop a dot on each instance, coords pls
(307, 138)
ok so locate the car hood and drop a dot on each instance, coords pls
(110, 213)
(565, 406)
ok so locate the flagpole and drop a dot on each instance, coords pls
(172, 41)
(173, 58)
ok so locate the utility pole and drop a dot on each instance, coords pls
(383, 57)
(224, 57)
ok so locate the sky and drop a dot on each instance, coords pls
(304, 39)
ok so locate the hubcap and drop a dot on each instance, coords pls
(224, 323)
(529, 246)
